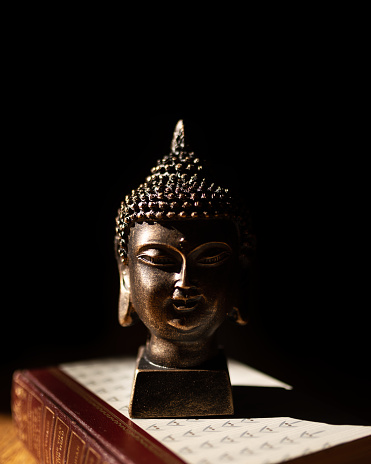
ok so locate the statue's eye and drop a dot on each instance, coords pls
(214, 257)
(156, 259)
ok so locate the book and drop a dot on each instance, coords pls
(78, 413)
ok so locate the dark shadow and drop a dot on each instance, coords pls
(252, 402)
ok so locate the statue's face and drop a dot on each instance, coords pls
(182, 276)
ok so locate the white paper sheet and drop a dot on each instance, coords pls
(209, 441)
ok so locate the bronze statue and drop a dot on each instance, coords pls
(181, 244)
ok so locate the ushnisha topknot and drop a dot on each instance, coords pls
(178, 189)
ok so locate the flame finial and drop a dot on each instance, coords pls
(178, 142)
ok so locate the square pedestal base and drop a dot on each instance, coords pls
(192, 392)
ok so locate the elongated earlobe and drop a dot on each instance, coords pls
(235, 316)
(127, 314)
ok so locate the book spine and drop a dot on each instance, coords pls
(50, 434)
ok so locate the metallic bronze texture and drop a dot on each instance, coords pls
(164, 392)
(181, 244)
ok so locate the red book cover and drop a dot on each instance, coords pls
(60, 421)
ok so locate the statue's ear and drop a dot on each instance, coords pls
(127, 314)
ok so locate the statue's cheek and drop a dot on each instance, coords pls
(150, 290)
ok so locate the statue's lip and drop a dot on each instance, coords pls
(186, 304)
(182, 326)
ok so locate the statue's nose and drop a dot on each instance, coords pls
(183, 286)
(181, 293)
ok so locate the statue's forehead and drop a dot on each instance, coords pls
(183, 234)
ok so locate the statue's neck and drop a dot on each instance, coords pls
(175, 354)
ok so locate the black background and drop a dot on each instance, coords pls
(299, 166)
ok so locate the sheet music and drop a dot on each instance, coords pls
(208, 441)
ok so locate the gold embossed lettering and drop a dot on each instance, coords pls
(36, 416)
(49, 419)
(60, 441)
(75, 450)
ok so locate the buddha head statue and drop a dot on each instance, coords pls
(181, 243)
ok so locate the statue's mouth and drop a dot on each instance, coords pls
(186, 304)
